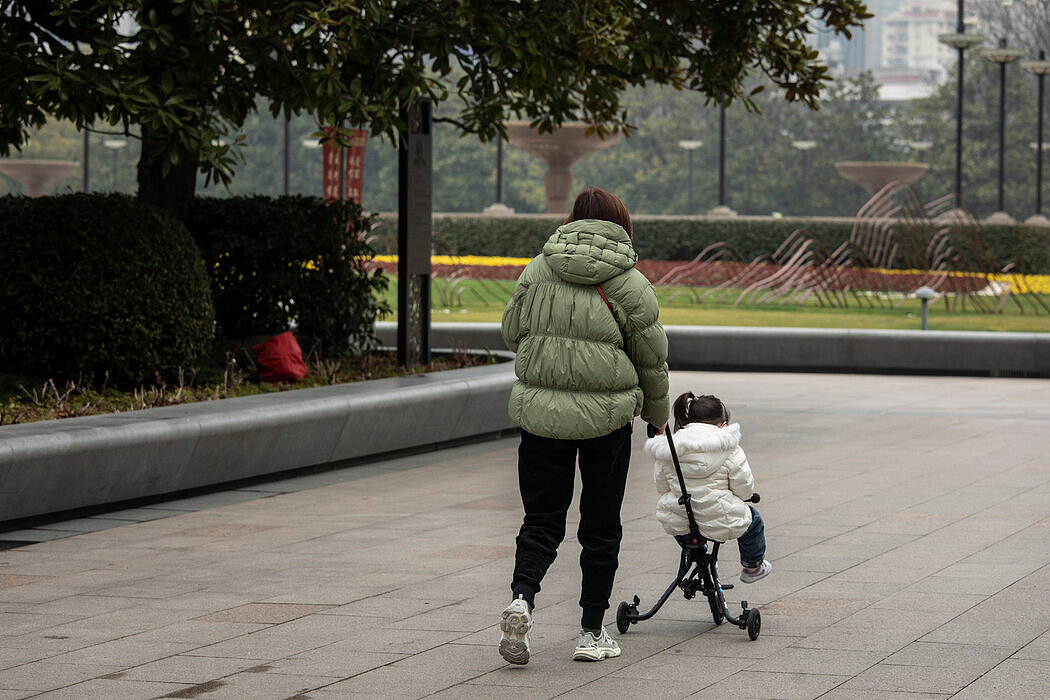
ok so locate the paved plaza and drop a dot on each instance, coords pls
(908, 522)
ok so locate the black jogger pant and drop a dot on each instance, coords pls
(546, 474)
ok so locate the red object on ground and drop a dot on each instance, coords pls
(280, 359)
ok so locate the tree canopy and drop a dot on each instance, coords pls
(188, 72)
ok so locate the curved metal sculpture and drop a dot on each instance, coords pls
(897, 244)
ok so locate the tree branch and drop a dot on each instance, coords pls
(43, 20)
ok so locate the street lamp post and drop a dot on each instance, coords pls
(313, 145)
(1002, 55)
(689, 147)
(287, 155)
(498, 208)
(115, 145)
(722, 153)
(804, 146)
(960, 41)
(722, 209)
(87, 159)
(499, 169)
(1038, 68)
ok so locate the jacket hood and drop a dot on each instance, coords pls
(702, 438)
(589, 251)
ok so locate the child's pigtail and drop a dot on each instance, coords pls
(682, 407)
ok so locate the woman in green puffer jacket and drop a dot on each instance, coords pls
(591, 355)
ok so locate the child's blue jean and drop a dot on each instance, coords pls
(752, 543)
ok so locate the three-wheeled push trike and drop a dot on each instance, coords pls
(697, 571)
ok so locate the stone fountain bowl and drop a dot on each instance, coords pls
(36, 176)
(874, 175)
(568, 143)
(559, 150)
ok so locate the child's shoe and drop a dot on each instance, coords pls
(592, 648)
(516, 623)
(750, 575)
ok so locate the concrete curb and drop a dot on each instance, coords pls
(875, 351)
(75, 463)
(812, 349)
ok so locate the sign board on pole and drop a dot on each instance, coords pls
(344, 166)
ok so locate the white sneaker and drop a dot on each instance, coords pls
(591, 648)
(516, 623)
(752, 575)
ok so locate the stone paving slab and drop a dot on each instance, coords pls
(907, 517)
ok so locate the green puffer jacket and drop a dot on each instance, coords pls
(576, 377)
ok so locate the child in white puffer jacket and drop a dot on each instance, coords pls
(718, 479)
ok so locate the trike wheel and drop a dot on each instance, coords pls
(754, 623)
(622, 621)
(717, 602)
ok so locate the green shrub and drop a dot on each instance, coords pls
(518, 236)
(99, 284)
(682, 238)
(290, 262)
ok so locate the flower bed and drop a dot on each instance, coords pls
(716, 273)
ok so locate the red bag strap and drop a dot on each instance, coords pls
(623, 335)
(604, 298)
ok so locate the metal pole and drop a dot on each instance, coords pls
(960, 28)
(958, 134)
(690, 182)
(960, 41)
(722, 153)
(1039, 147)
(115, 152)
(499, 170)
(87, 159)
(1002, 55)
(287, 156)
(1002, 130)
(805, 181)
(690, 146)
(1039, 68)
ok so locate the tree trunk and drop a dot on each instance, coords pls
(172, 191)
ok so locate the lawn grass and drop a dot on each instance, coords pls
(482, 301)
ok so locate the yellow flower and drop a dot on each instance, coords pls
(486, 260)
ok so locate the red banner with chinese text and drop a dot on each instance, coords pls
(344, 165)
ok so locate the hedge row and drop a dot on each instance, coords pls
(671, 238)
(103, 288)
(99, 287)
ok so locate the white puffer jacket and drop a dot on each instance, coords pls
(717, 477)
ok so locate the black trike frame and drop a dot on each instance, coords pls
(697, 571)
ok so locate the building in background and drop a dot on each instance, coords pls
(898, 45)
(913, 62)
(873, 45)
